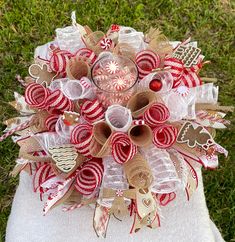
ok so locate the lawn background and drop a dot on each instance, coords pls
(27, 24)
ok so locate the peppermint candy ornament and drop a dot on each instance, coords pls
(106, 43)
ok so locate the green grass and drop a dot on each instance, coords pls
(25, 24)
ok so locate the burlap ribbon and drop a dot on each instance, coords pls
(138, 172)
(118, 206)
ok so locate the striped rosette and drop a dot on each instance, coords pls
(157, 114)
(87, 54)
(92, 111)
(147, 61)
(181, 74)
(90, 176)
(58, 101)
(81, 136)
(59, 60)
(164, 136)
(122, 147)
(50, 122)
(36, 95)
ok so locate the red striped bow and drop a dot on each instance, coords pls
(182, 75)
(59, 59)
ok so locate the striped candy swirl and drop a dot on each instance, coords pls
(157, 114)
(164, 136)
(90, 176)
(81, 136)
(122, 147)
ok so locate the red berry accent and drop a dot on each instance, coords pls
(155, 85)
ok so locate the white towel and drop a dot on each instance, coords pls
(182, 221)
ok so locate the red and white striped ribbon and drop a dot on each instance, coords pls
(139, 122)
(182, 75)
(81, 136)
(122, 147)
(164, 136)
(85, 82)
(92, 111)
(157, 114)
(205, 115)
(36, 95)
(59, 59)
(58, 101)
(147, 61)
(164, 199)
(41, 97)
(50, 122)
(17, 128)
(42, 174)
(90, 177)
(176, 69)
(87, 53)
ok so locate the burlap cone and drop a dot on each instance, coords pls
(101, 132)
(140, 102)
(76, 69)
(124, 49)
(92, 39)
(101, 138)
(140, 135)
(138, 172)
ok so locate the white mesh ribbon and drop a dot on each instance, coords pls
(62, 129)
(165, 176)
(113, 178)
(50, 139)
(118, 118)
(164, 76)
(207, 93)
(74, 89)
(78, 89)
(131, 37)
(70, 37)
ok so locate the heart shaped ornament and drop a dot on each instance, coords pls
(65, 157)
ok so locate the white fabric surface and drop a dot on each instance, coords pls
(182, 221)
